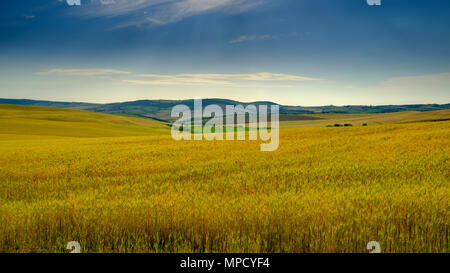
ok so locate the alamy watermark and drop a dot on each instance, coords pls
(369, 2)
(374, 2)
(73, 2)
(373, 246)
(74, 246)
(186, 128)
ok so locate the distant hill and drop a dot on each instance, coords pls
(322, 120)
(45, 103)
(50, 121)
(31, 121)
(161, 109)
(363, 109)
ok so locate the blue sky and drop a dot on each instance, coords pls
(297, 52)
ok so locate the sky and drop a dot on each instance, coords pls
(293, 52)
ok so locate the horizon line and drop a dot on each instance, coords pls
(258, 101)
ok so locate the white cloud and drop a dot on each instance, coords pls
(182, 79)
(217, 79)
(245, 38)
(423, 82)
(161, 12)
(419, 89)
(416, 89)
(83, 72)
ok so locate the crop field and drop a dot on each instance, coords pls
(122, 184)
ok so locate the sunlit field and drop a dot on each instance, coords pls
(121, 184)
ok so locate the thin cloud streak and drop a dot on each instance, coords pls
(140, 13)
(28, 17)
(180, 79)
(216, 79)
(83, 72)
(246, 38)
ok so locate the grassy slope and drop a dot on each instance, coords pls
(29, 121)
(161, 109)
(48, 121)
(358, 119)
(324, 190)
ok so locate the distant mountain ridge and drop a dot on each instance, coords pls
(161, 109)
(45, 103)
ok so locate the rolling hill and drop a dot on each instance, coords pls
(45, 103)
(50, 121)
(122, 184)
(161, 109)
(320, 120)
(32, 121)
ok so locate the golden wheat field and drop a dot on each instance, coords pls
(121, 184)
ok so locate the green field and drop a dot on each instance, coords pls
(121, 184)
